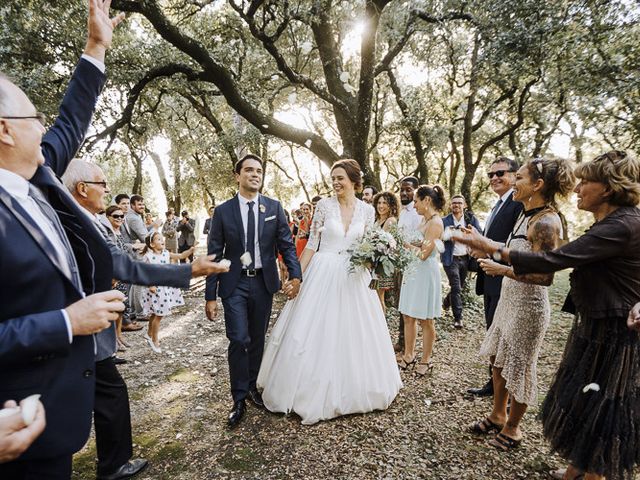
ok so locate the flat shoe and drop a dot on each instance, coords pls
(485, 427)
(504, 443)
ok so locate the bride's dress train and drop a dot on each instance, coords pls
(330, 352)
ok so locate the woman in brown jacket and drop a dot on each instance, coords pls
(591, 415)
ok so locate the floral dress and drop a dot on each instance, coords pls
(165, 298)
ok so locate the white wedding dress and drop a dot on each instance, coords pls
(330, 353)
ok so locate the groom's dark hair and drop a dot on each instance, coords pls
(238, 166)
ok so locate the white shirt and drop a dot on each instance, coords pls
(409, 220)
(18, 188)
(244, 213)
(459, 249)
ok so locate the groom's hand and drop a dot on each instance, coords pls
(211, 309)
(291, 288)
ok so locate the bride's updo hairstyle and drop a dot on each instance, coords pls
(435, 193)
(353, 172)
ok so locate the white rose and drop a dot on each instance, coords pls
(246, 259)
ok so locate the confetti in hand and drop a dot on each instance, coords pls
(592, 386)
(245, 259)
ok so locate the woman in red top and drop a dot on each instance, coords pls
(303, 228)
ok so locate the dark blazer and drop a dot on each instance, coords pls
(226, 240)
(446, 257)
(186, 232)
(499, 230)
(35, 353)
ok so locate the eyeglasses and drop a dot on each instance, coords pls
(41, 117)
(103, 184)
(117, 216)
(612, 156)
(498, 173)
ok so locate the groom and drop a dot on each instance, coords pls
(255, 228)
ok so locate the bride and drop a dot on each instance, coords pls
(330, 352)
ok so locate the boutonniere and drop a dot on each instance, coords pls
(262, 208)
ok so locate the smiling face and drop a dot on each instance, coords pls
(157, 243)
(341, 183)
(525, 187)
(124, 205)
(500, 178)
(457, 206)
(250, 177)
(591, 195)
(20, 139)
(94, 191)
(367, 195)
(306, 211)
(382, 207)
(116, 218)
(138, 207)
(406, 193)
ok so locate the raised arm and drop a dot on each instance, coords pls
(315, 234)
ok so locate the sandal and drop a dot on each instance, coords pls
(422, 369)
(504, 443)
(485, 427)
(404, 365)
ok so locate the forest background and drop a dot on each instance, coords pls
(435, 89)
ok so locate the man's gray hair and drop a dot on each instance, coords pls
(4, 96)
(79, 171)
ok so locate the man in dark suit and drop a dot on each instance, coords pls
(187, 239)
(88, 186)
(455, 258)
(250, 229)
(46, 327)
(498, 226)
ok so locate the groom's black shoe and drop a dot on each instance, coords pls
(237, 412)
(256, 398)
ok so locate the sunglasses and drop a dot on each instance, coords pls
(117, 216)
(498, 173)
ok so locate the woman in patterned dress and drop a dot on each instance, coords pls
(513, 341)
(386, 207)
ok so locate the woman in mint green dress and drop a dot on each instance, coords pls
(421, 294)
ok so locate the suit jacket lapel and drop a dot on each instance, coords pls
(30, 226)
(237, 217)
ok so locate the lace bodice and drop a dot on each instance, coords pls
(327, 225)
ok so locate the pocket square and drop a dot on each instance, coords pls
(272, 217)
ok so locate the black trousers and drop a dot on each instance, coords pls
(56, 468)
(112, 418)
(490, 304)
(457, 276)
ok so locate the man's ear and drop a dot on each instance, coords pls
(81, 189)
(6, 134)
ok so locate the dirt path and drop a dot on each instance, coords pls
(180, 400)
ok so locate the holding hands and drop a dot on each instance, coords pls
(291, 288)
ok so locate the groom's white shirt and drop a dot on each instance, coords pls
(244, 213)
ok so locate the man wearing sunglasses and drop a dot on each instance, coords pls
(498, 226)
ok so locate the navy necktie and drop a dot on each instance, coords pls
(251, 235)
(50, 213)
(494, 211)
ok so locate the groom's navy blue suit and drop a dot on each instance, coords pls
(247, 299)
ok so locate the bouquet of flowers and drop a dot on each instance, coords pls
(382, 253)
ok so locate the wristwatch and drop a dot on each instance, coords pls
(497, 255)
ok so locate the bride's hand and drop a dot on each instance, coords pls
(291, 288)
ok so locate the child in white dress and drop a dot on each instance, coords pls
(157, 302)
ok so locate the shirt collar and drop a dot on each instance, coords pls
(506, 195)
(409, 206)
(13, 183)
(244, 200)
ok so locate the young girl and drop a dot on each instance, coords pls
(158, 301)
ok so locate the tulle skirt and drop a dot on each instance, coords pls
(330, 352)
(598, 430)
